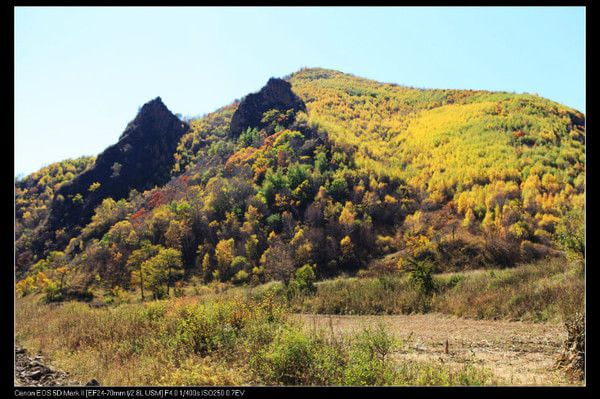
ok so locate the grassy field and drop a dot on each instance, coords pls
(542, 291)
(229, 342)
(243, 335)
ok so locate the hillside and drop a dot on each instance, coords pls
(321, 173)
(33, 196)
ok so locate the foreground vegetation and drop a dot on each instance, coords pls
(232, 341)
(222, 334)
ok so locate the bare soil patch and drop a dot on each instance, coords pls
(517, 353)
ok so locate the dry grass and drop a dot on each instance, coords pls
(223, 341)
(243, 335)
(541, 291)
(544, 291)
(130, 344)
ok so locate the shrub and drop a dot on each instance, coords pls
(207, 371)
(540, 291)
(571, 232)
(390, 294)
(251, 137)
(295, 357)
(305, 280)
(196, 331)
(572, 357)
(241, 277)
(421, 275)
(53, 292)
(25, 286)
(287, 360)
(224, 339)
(369, 358)
(240, 263)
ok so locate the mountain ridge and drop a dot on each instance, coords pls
(121, 167)
(341, 171)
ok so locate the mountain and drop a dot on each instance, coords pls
(277, 94)
(33, 196)
(141, 159)
(325, 169)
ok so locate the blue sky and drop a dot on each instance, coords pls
(82, 72)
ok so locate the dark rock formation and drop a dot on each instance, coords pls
(141, 159)
(32, 371)
(277, 94)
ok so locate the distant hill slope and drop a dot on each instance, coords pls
(447, 141)
(33, 197)
(336, 172)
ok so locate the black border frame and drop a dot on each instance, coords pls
(6, 377)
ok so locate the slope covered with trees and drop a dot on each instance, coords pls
(33, 195)
(352, 176)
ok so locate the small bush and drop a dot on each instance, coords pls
(53, 292)
(304, 281)
(572, 358)
(298, 358)
(369, 359)
(198, 371)
(241, 277)
(390, 294)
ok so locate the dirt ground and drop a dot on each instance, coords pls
(517, 353)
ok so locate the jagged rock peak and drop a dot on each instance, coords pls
(141, 159)
(154, 112)
(276, 94)
(155, 105)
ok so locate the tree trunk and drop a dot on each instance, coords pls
(142, 283)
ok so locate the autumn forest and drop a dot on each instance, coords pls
(322, 193)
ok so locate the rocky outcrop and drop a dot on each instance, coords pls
(276, 94)
(32, 371)
(141, 159)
